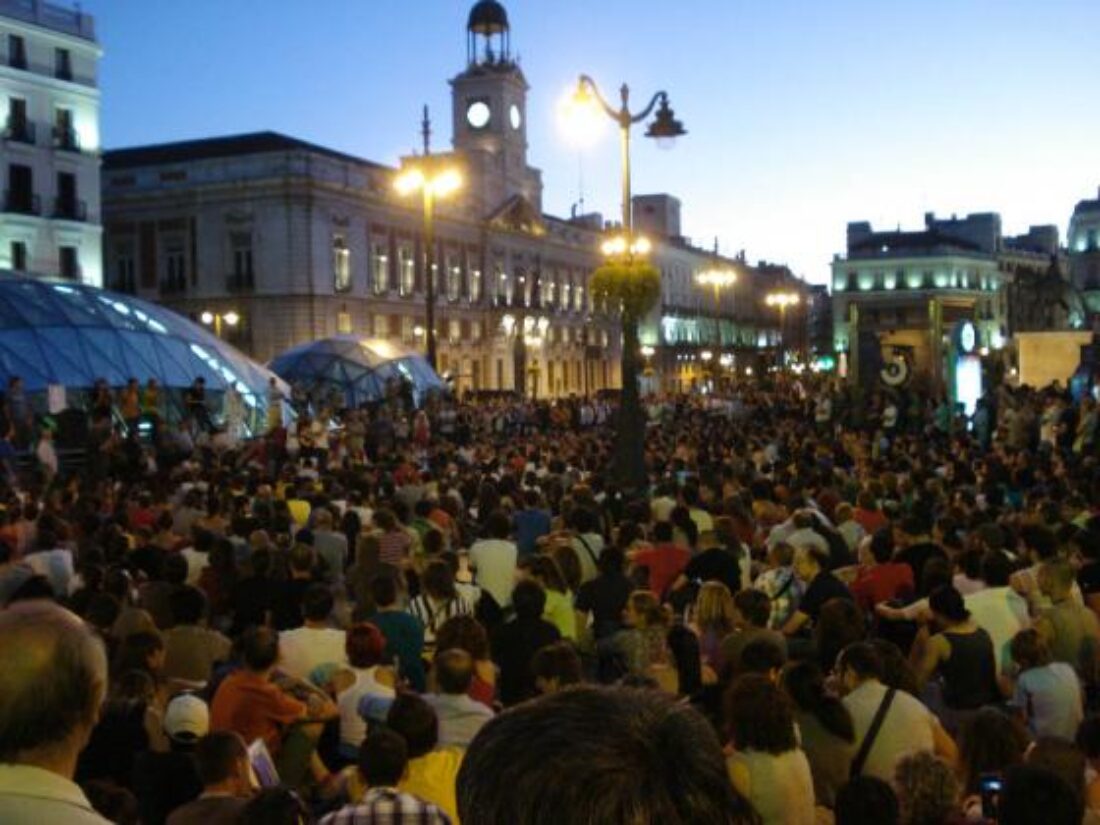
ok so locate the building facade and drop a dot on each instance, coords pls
(273, 242)
(1084, 251)
(908, 289)
(50, 212)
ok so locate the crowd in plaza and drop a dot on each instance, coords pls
(824, 607)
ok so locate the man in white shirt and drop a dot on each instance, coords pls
(908, 726)
(53, 682)
(494, 560)
(313, 644)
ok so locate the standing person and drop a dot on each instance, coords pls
(48, 707)
(150, 405)
(194, 399)
(129, 406)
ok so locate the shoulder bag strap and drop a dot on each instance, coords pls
(864, 751)
(588, 549)
(786, 586)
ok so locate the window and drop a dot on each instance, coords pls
(63, 64)
(454, 276)
(341, 264)
(17, 52)
(475, 285)
(475, 331)
(20, 194)
(343, 323)
(64, 134)
(454, 330)
(175, 267)
(124, 279)
(69, 262)
(18, 127)
(406, 269)
(1090, 240)
(496, 282)
(578, 298)
(380, 267)
(19, 256)
(240, 250)
(67, 206)
(567, 293)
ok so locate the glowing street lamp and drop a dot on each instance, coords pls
(717, 279)
(630, 446)
(782, 300)
(435, 177)
(216, 319)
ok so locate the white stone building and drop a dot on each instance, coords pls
(50, 146)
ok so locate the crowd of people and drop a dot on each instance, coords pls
(823, 607)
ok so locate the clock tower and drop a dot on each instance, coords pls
(489, 103)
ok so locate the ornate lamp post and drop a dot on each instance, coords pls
(216, 319)
(435, 177)
(628, 282)
(782, 300)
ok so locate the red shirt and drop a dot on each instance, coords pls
(665, 562)
(870, 520)
(882, 583)
(255, 708)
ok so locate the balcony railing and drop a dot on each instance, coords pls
(66, 139)
(21, 202)
(19, 131)
(237, 282)
(70, 209)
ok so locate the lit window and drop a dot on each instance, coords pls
(341, 264)
(454, 276)
(406, 267)
(343, 323)
(380, 267)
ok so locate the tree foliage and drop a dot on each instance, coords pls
(628, 287)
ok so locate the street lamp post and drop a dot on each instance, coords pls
(630, 251)
(216, 319)
(435, 177)
(782, 300)
(717, 279)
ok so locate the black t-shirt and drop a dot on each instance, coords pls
(715, 564)
(252, 599)
(164, 782)
(288, 609)
(605, 597)
(1088, 578)
(917, 556)
(824, 587)
(513, 647)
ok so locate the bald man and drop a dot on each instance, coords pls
(52, 684)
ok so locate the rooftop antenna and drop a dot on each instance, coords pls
(426, 131)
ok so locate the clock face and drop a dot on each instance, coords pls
(515, 117)
(967, 337)
(478, 114)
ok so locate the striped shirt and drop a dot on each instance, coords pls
(393, 547)
(433, 614)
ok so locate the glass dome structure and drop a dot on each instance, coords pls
(356, 370)
(70, 334)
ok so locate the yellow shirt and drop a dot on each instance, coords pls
(432, 778)
(559, 612)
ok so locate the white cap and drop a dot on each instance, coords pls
(187, 718)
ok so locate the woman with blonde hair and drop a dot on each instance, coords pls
(712, 619)
(642, 648)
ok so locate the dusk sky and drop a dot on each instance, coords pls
(801, 115)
